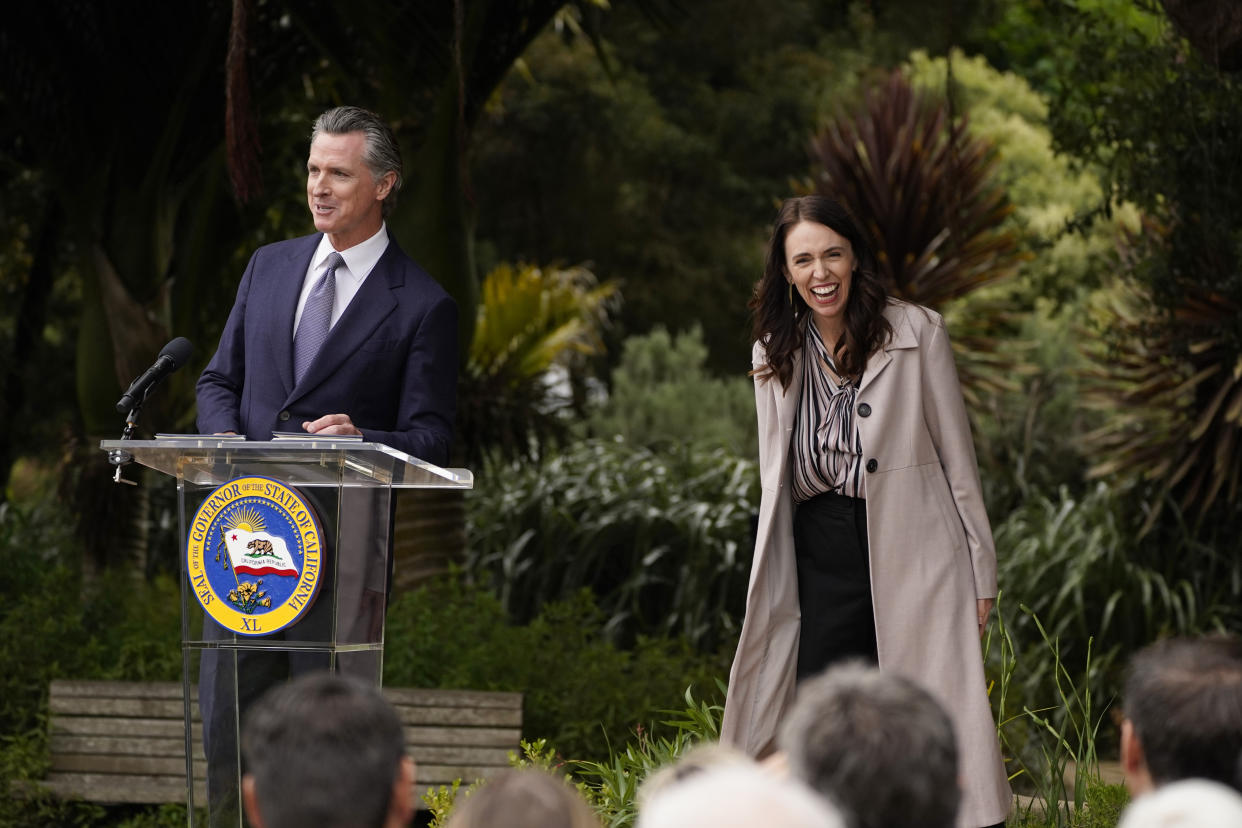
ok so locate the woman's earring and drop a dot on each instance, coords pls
(791, 294)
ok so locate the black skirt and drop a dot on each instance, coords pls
(834, 583)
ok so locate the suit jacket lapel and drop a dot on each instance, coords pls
(284, 304)
(374, 301)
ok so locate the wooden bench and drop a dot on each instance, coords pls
(115, 741)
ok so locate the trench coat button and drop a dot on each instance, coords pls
(872, 465)
(283, 416)
(864, 410)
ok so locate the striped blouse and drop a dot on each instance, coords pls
(827, 449)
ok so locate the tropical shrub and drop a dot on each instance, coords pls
(534, 331)
(663, 540)
(1159, 123)
(1076, 563)
(662, 396)
(581, 692)
(1024, 437)
(1172, 398)
(1050, 195)
(923, 188)
(926, 193)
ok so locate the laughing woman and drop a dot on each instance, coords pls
(873, 541)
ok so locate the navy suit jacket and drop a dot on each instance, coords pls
(390, 361)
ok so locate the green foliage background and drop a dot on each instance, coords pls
(648, 143)
(581, 692)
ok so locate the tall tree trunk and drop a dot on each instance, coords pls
(29, 318)
(436, 228)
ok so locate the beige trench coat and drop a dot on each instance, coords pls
(931, 554)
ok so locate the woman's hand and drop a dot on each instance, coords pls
(985, 609)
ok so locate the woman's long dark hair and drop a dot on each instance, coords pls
(780, 323)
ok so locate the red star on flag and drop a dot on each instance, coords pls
(235, 537)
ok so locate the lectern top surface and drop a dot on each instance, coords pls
(205, 460)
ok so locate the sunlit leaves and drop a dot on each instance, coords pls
(532, 322)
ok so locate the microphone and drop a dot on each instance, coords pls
(173, 356)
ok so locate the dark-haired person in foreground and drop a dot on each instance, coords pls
(1183, 713)
(872, 541)
(327, 751)
(876, 745)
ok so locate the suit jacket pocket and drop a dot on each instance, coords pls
(379, 346)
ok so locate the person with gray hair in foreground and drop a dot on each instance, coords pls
(326, 750)
(877, 745)
(523, 798)
(737, 796)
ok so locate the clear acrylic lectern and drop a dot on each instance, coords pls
(285, 568)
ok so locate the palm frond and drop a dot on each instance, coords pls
(535, 329)
(1172, 389)
(926, 193)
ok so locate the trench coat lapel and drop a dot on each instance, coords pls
(903, 337)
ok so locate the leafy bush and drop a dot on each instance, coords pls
(662, 396)
(1075, 563)
(581, 692)
(534, 333)
(1021, 435)
(663, 540)
(56, 625)
(611, 786)
(614, 784)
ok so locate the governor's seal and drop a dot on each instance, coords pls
(254, 554)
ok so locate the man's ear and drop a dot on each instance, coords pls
(401, 805)
(251, 801)
(1134, 760)
(1131, 750)
(384, 186)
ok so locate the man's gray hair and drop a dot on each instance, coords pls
(381, 152)
(877, 745)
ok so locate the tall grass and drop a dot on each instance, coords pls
(1044, 745)
(614, 784)
(1075, 564)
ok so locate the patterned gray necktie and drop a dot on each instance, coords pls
(316, 319)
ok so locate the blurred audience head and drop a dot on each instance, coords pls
(1190, 803)
(328, 751)
(526, 798)
(877, 745)
(1183, 712)
(737, 796)
(700, 758)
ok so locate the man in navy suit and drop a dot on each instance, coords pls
(388, 368)
(338, 332)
